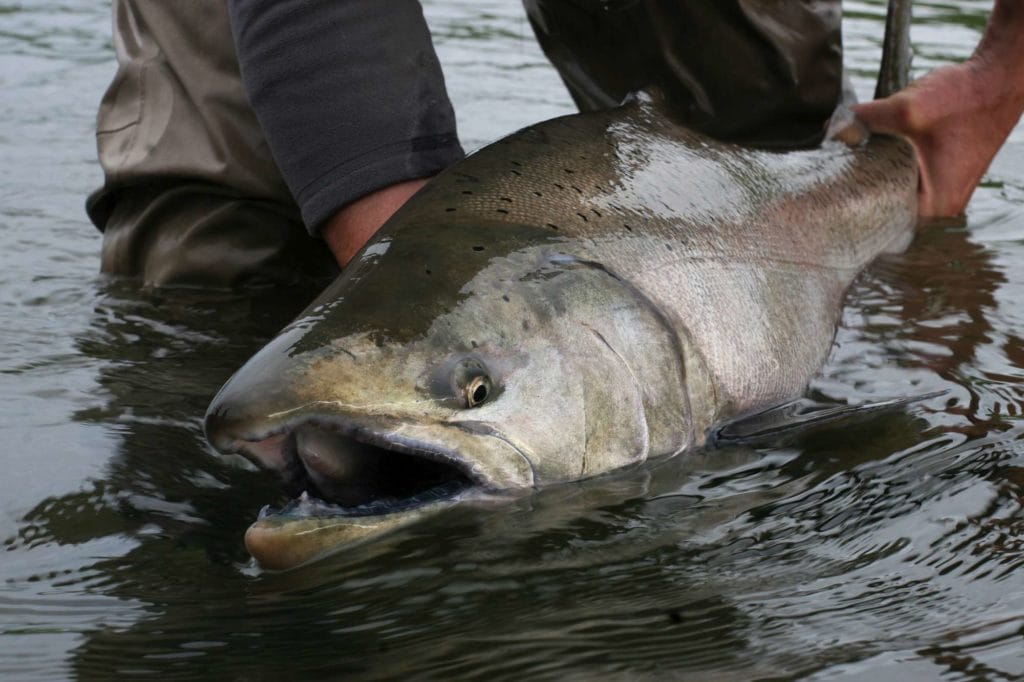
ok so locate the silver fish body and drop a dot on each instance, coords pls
(588, 293)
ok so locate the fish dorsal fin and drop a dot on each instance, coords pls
(894, 72)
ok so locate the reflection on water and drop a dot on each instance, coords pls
(889, 546)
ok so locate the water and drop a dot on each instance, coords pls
(887, 548)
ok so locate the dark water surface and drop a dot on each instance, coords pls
(889, 548)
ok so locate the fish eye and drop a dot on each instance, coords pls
(466, 379)
(477, 390)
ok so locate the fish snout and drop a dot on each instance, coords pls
(234, 425)
(221, 428)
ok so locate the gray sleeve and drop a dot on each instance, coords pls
(349, 94)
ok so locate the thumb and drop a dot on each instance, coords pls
(889, 115)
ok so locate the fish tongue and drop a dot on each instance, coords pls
(343, 470)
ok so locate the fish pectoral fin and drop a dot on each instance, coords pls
(802, 415)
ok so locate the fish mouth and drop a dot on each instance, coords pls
(349, 484)
(355, 477)
(361, 473)
(333, 469)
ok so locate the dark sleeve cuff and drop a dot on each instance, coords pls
(350, 96)
(406, 160)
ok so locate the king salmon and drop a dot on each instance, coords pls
(588, 293)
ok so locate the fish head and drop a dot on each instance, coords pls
(449, 360)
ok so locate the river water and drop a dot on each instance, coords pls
(887, 547)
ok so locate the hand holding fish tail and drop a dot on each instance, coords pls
(957, 117)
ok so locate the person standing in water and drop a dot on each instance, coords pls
(256, 141)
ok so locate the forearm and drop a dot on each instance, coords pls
(349, 95)
(999, 57)
(350, 228)
(1003, 34)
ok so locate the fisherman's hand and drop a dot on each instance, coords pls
(957, 119)
(354, 225)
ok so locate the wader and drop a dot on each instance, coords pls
(767, 73)
(193, 196)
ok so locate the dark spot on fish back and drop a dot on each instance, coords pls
(502, 210)
(596, 212)
(478, 248)
(467, 191)
(582, 216)
(505, 298)
(553, 226)
(569, 171)
(506, 199)
(537, 194)
(559, 186)
(450, 209)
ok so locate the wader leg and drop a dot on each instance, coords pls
(191, 195)
(759, 72)
(196, 234)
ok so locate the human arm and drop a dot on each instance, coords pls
(350, 228)
(957, 117)
(352, 102)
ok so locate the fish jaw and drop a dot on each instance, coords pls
(299, 534)
(280, 543)
(357, 480)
